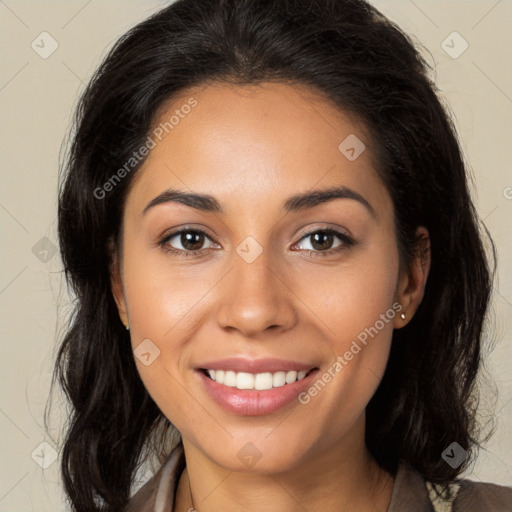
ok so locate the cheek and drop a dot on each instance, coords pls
(352, 296)
(162, 297)
(166, 305)
(163, 304)
(354, 303)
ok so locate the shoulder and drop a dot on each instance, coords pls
(470, 496)
(480, 496)
(157, 494)
(411, 493)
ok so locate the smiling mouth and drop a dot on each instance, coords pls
(256, 381)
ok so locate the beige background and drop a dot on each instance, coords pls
(36, 100)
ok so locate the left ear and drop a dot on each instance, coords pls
(412, 280)
(116, 282)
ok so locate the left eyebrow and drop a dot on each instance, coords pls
(298, 202)
(313, 198)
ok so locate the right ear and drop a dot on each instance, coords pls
(116, 281)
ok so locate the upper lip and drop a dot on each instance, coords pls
(271, 365)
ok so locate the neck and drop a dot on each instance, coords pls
(333, 480)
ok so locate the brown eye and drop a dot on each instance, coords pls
(323, 240)
(186, 241)
(191, 240)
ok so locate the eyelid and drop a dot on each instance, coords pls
(340, 232)
(170, 234)
(345, 240)
(186, 227)
(325, 227)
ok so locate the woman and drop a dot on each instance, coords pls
(266, 221)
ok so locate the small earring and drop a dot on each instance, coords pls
(402, 316)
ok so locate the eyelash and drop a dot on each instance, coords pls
(347, 242)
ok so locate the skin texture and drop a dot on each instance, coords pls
(253, 147)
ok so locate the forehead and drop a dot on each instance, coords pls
(253, 143)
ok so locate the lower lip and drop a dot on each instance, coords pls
(249, 402)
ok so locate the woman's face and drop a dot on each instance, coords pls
(265, 290)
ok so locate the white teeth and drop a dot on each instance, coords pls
(263, 381)
(244, 380)
(279, 379)
(291, 376)
(230, 379)
(258, 381)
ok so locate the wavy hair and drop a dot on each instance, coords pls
(362, 63)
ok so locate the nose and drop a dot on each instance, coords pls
(256, 298)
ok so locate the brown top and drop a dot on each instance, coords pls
(410, 492)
